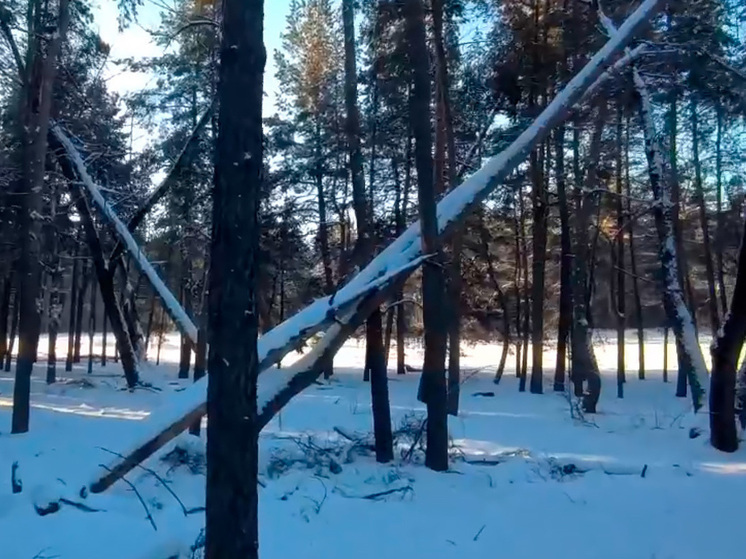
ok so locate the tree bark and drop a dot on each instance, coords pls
(73, 309)
(433, 284)
(619, 257)
(703, 221)
(719, 209)
(91, 325)
(363, 250)
(564, 325)
(79, 312)
(5, 315)
(231, 528)
(13, 330)
(42, 72)
(725, 353)
(633, 262)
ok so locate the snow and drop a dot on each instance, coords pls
(555, 474)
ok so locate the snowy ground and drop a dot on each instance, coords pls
(527, 479)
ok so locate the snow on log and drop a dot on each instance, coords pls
(172, 306)
(187, 406)
(681, 318)
(166, 183)
(400, 257)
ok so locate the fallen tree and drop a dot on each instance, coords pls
(351, 304)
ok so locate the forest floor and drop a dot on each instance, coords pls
(529, 477)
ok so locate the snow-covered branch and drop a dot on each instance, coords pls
(172, 306)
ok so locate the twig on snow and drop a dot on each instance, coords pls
(156, 476)
(379, 494)
(480, 532)
(142, 502)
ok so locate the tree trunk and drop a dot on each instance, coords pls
(725, 353)
(665, 354)
(104, 324)
(363, 250)
(91, 325)
(79, 312)
(539, 241)
(564, 325)
(41, 76)
(56, 297)
(73, 309)
(518, 302)
(719, 209)
(13, 329)
(707, 252)
(526, 297)
(149, 327)
(5, 315)
(231, 528)
(583, 363)
(619, 257)
(633, 262)
(433, 284)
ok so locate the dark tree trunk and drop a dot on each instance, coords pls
(104, 324)
(583, 363)
(79, 312)
(725, 353)
(376, 360)
(73, 308)
(433, 284)
(388, 332)
(619, 258)
(564, 325)
(703, 221)
(56, 299)
(719, 209)
(539, 241)
(13, 330)
(149, 328)
(5, 315)
(38, 92)
(525, 331)
(232, 529)
(633, 263)
(665, 356)
(518, 302)
(91, 325)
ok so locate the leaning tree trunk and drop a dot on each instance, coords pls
(433, 284)
(725, 353)
(104, 275)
